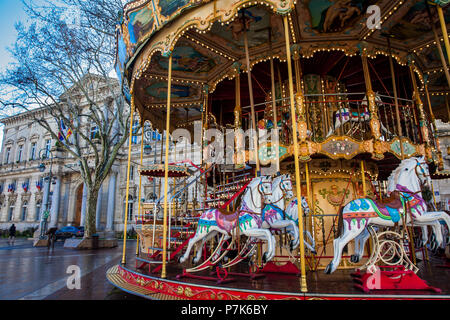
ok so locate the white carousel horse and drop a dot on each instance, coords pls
(247, 218)
(292, 214)
(274, 215)
(343, 115)
(360, 213)
(436, 226)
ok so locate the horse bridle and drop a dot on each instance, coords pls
(419, 164)
(262, 193)
(284, 190)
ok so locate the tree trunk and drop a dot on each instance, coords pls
(91, 209)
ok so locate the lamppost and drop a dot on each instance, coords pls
(44, 217)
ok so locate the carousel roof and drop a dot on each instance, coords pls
(207, 46)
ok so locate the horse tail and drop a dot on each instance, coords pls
(340, 222)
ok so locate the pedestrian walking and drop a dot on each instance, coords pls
(12, 235)
(51, 237)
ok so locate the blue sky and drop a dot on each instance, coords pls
(11, 11)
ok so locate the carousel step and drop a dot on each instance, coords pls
(159, 249)
(180, 228)
(170, 239)
(148, 261)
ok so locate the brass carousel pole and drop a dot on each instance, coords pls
(128, 179)
(296, 158)
(274, 106)
(444, 30)
(363, 178)
(438, 44)
(373, 108)
(419, 105)
(166, 169)
(433, 122)
(448, 108)
(301, 111)
(140, 184)
(394, 86)
(308, 191)
(254, 127)
(237, 108)
(252, 103)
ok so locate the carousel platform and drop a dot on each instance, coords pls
(337, 286)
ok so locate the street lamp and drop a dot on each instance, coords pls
(147, 149)
(44, 217)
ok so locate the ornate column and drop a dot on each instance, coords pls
(83, 206)
(237, 108)
(111, 199)
(300, 117)
(55, 203)
(373, 108)
(419, 104)
(433, 122)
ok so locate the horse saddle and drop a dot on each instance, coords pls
(393, 201)
(226, 220)
(390, 206)
(226, 212)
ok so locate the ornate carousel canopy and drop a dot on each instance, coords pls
(205, 39)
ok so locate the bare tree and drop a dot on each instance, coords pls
(65, 66)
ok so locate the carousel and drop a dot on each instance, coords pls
(300, 141)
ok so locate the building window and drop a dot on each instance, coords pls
(24, 210)
(135, 131)
(19, 153)
(38, 210)
(131, 173)
(33, 151)
(11, 212)
(94, 133)
(8, 153)
(130, 208)
(48, 145)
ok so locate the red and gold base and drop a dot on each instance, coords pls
(156, 288)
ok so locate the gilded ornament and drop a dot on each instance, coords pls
(188, 292)
(180, 290)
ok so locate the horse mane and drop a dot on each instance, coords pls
(393, 177)
(239, 197)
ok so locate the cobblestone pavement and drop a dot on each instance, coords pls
(28, 273)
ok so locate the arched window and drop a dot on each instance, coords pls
(24, 210)
(130, 208)
(11, 211)
(38, 210)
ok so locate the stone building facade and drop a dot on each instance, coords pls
(23, 187)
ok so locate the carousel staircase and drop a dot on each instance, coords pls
(156, 256)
